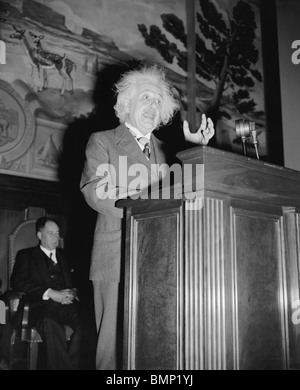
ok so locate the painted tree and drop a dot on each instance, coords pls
(225, 52)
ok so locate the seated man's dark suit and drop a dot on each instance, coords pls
(34, 273)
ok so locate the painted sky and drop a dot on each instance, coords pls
(117, 19)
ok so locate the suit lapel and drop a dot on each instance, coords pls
(157, 155)
(128, 147)
(61, 261)
(41, 264)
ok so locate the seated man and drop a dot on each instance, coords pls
(6, 331)
(43, 273)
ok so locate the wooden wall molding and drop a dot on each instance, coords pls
(18, 193)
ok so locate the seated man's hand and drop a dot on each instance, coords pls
(203, 134)
(72, 293)
(65, 297)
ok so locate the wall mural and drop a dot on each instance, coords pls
(229, 69)
(54, 51)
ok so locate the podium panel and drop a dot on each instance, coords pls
(212, 283)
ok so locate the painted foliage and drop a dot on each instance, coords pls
(229, 69)
(228, 62)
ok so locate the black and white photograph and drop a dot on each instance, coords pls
(149, 188)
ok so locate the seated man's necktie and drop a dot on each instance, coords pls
(146, 144)
(52, 257)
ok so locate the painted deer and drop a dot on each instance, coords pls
(66, 63)
(44, 60)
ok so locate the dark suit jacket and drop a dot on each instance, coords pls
(30, 272)
(104, 149)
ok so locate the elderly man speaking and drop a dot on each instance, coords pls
(144, 102)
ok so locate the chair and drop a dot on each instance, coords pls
(24, 236)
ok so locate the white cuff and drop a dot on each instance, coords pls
(45, 295)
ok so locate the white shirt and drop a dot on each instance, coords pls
(137, 134)
(47, 252)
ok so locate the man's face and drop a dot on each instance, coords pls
(144, 108)
(49, 236)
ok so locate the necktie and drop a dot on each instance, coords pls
(51, 257)
(146, 144)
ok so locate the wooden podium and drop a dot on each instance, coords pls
(212, 279)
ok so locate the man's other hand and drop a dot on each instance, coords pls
(205, 132)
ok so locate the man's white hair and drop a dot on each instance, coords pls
(154, 74)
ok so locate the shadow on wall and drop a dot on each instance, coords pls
(81, 218)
